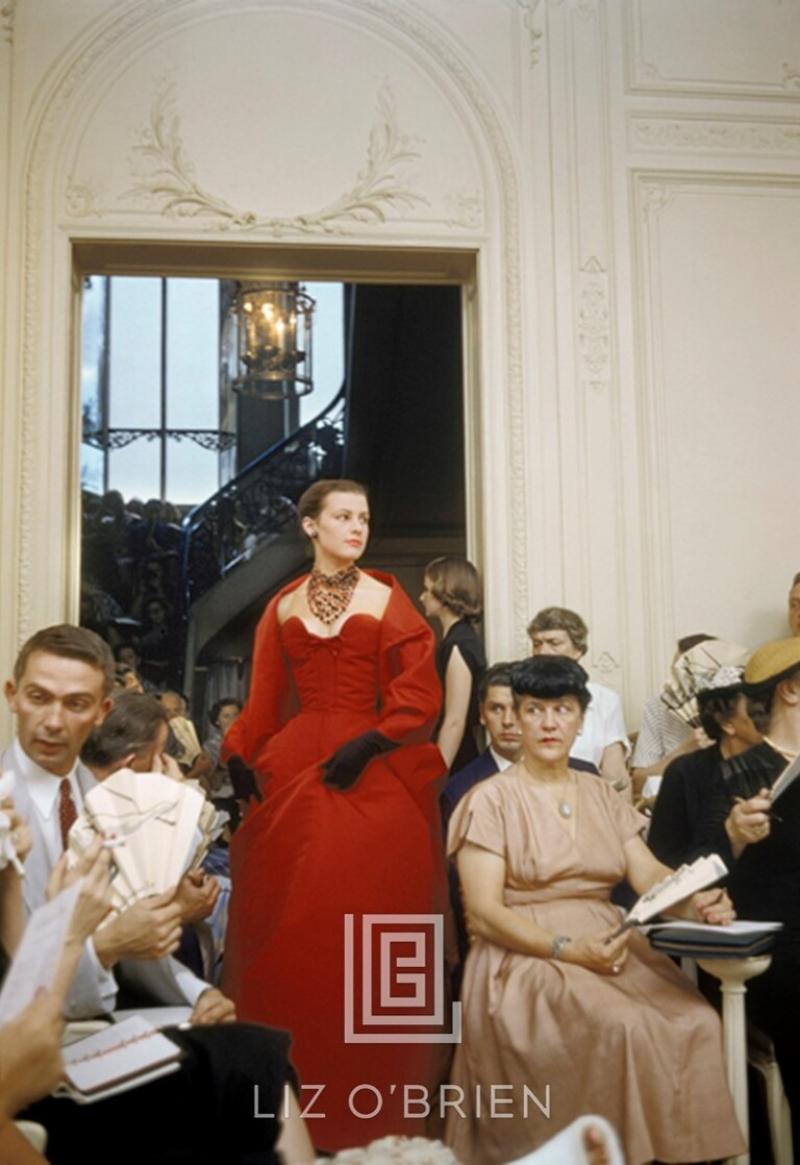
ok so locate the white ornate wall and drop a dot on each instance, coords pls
(625, 175)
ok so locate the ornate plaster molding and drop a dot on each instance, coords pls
(586, 9)
(605, 664)
(709, 135)
(82, 200)
(411, 31)
(656, 197)
(791, 77)
(466, 209)
(7, 14)
(776, 80)
(535, 34)
(167, 178)
(594, 324)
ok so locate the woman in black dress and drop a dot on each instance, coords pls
(452, 594)
(687, 814)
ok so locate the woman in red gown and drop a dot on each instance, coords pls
(344, 695)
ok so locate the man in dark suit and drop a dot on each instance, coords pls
(497, 715)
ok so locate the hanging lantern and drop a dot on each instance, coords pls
(273, 340)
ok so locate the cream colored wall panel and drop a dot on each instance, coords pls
(243, 123)
(714, 47)
(582, 411)
(9, 329)
(721, 283)
(503, 39)
(46, 30)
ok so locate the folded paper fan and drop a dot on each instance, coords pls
(154, 826)
(714, 663)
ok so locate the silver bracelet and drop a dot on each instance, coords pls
(558, 944)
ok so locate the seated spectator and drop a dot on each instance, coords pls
(183, 742)
(552, 990)
(221, 716)
(499, 717)
(133, 736)
(765, 880)
(60, 692)
(187, 744)
(126, 679)
(218, 781)
(663, 736)
(681, 828)
(602, 740)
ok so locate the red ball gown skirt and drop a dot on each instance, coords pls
(306, 858)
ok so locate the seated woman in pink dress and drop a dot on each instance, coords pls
(562, 1018)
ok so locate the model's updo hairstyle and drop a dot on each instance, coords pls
(313, 499)
(456, 583)
(549, 677)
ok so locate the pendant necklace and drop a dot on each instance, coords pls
(328, 595)
(565, 809)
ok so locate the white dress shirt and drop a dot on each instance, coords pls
(94, 989)
(501, 762)
(603, 724)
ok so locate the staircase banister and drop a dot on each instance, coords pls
(194, 517)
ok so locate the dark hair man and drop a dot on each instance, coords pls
(59, 694)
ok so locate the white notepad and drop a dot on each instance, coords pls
(682, 883)
(122, 1056)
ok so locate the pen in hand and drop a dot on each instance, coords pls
(771, 814)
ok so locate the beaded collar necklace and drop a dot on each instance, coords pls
(329, 595)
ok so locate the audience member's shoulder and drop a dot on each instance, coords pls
(496, 788)
(602, 694)
(591, 781)
(460, 783)
(598, 788)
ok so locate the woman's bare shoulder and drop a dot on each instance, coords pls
(372, 596)
(373, 585)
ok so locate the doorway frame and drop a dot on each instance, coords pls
(434, 266)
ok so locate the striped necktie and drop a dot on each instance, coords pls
(67, 812)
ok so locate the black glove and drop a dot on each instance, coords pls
(242, 779)
(342, 770)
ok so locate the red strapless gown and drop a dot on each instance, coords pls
(308, 855)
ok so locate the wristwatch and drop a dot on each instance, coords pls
(559, 942)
